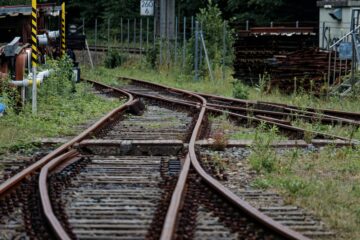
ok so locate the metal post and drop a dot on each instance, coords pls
(140, 36)
(271, 24)
(297, 24)
(121, 33)
(201, 48)
(196, 51)
(83, 32)
(108, 37)
(63, 30)
(176, 40)
(128, 36)
(184, 43)
(154, 37)
(206, 56)
(147, 33)
(192, 26)
(353, 63)
(34, 57)
(134, 33)
(329, 69)
(247, 25)
(224, 51)
(163, 18)
(335, 59)
(161, 52)
(96, 27)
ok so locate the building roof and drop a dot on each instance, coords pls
(339, 3)
(25, 10)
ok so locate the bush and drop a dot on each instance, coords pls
(210, 18)
(114, 59)
(152, 55)
(60, 82)
(240, 91)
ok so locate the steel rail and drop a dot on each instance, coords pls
(340, 116)
(276, 123)
(17, 178)
(174, 208)
(54, 162)
(44, 194)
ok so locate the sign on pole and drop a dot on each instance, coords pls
(147, 8)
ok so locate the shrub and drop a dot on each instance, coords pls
(240, 91)
(263, 157)
(60, 82)
(151, 56)
(114, 59)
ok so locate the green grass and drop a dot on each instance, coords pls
(325, 182)
(343, 131)
(137, 69)
(164, 76)
(57, 116)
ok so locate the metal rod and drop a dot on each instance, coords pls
(83, 28)
(96, 28)
(224, 52)
(134, 39)
(108, 33)
(201, 48)
(196, 65)
(206, 56)
(141, 36)
(121, 33)
(192, 25)
(154, 39)
(329, 70)
(147, 33)
(335, 59)
(128, 35)
(176, 40)
(184, 43)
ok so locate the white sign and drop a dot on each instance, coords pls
(147, 8)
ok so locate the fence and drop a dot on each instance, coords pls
(141, 36)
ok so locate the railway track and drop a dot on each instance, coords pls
(136, 174)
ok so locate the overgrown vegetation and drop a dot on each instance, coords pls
(240, 90)
(263, 157)
(325, 182)
(61, 107)
(115, 59)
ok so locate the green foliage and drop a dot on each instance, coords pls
(152, 56)
(115, 59)
(212, 23)
(61, 107)
(9, 95)
(60, 82)
(263, 157)
(240, 91)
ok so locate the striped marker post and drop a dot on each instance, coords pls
(63, 30)
(34, 54)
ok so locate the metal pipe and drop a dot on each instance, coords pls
(29, 81)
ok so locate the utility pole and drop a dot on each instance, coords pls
(167, 18)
